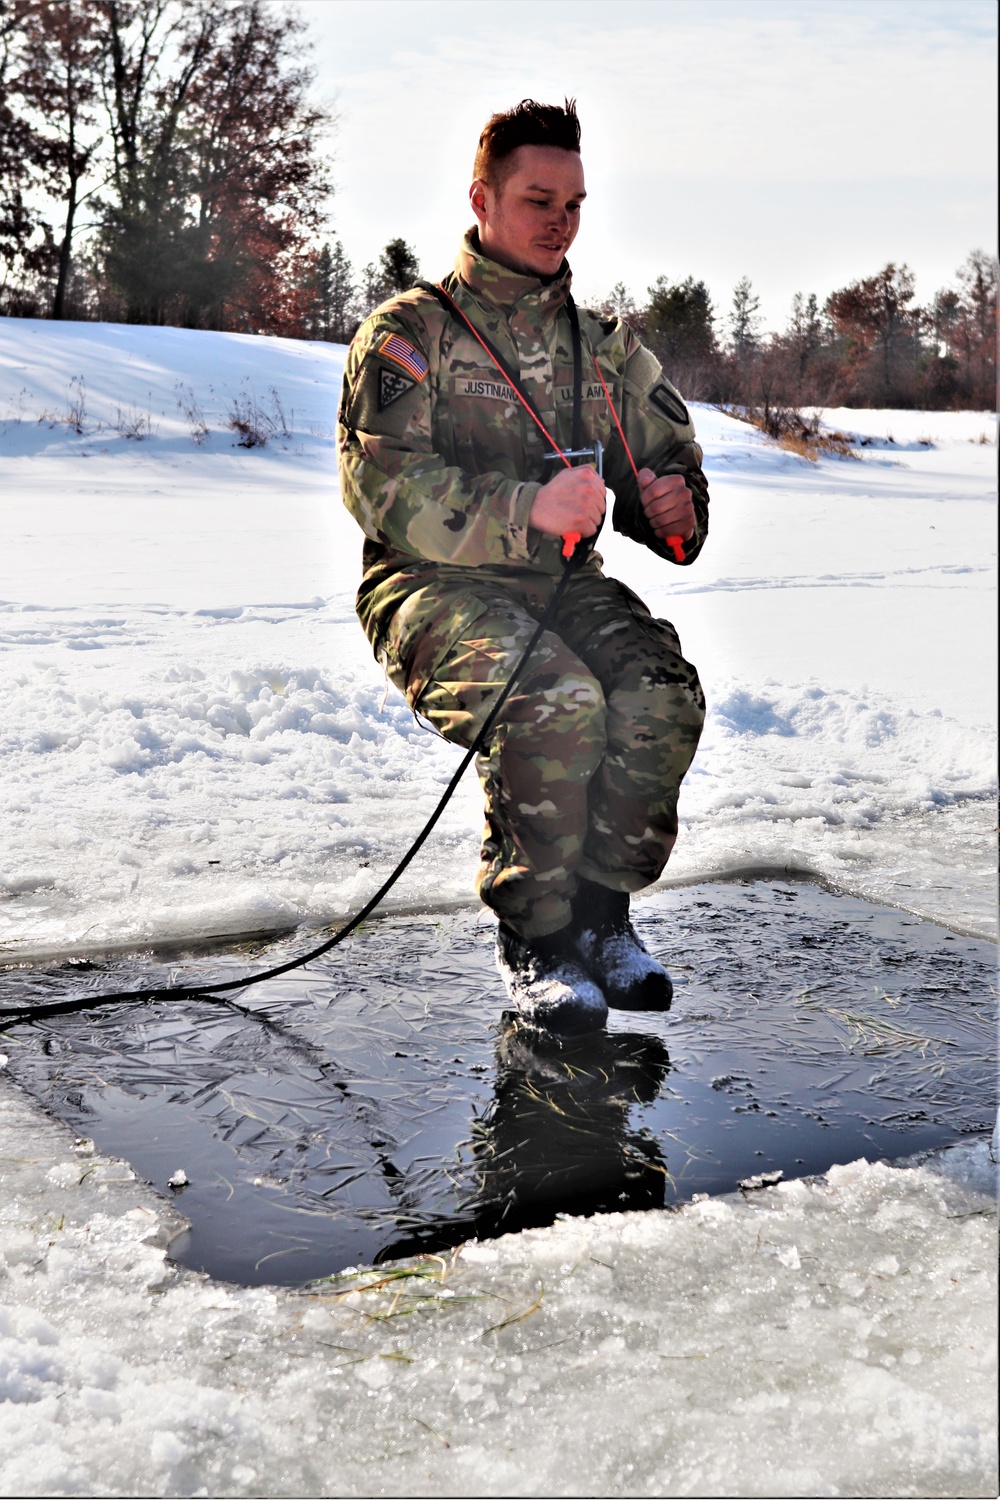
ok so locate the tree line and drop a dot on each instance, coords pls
(869, 344)
(163, 161)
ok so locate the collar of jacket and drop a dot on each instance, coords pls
(492, 282)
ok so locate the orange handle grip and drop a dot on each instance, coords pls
(676, 545)
(570, 539)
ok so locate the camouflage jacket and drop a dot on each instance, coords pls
(440, 463)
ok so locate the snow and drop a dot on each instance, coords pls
(825, 1336)
(195, 740)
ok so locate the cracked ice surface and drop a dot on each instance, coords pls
(827, 1336)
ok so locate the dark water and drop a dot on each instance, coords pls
(382, 1103)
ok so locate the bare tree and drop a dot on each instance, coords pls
(26, 243)
(59, 83)
(978, 280)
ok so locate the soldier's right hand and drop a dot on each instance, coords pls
(574, 500)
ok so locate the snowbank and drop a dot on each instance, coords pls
(828, 1336)
(195, 737)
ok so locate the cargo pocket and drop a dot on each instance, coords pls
(422, 632)
(659, 629)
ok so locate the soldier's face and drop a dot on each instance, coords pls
(530, 221)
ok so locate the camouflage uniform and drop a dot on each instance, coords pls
(440, 465)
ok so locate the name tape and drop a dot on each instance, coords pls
(492, 390)
(497, 390)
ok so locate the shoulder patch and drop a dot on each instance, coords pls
(403, 353)
(670, 404)
(392, 385)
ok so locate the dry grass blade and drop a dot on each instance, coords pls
(516, 1317)
(381, 1279)
(875, 1035)
(431, 1430)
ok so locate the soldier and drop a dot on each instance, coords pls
(443, 465)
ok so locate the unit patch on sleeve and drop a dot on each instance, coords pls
(402, 352)
(392, 385)
(670, 404)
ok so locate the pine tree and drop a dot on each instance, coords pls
(398, 268)
(343, 297)
(804, 338)
(332, 315)
(619, 303)
(744, 322)
(678, 321)
(396, 271)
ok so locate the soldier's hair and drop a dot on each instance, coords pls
(527, 124)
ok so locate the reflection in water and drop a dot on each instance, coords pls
(558, 1136)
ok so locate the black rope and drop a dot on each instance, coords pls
(574, 323)
(215, 991)
(447, 301)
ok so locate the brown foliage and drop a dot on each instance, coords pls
(878, 328)
(193, 121)
(219, 182)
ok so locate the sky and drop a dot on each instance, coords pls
(802, 143)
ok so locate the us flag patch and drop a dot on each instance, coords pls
(395, 347)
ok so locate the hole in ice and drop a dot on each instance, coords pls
(381, 1104)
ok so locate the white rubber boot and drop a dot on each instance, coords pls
(614, 955)
(547, 983)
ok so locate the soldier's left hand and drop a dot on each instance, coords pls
(667, 503)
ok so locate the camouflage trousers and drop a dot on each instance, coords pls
(585, 764)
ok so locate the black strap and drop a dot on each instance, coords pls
(574, 323)
(444, 297)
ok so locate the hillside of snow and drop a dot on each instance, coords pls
(196, 740)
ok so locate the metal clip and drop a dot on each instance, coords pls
(580, 456)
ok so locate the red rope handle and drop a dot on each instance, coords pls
(493, 359)
(675, 543)
(571, 539)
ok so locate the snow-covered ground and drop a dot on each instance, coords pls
(826, 1337)
(195, 739)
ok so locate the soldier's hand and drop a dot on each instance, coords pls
(574, 500)
(667, 503)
